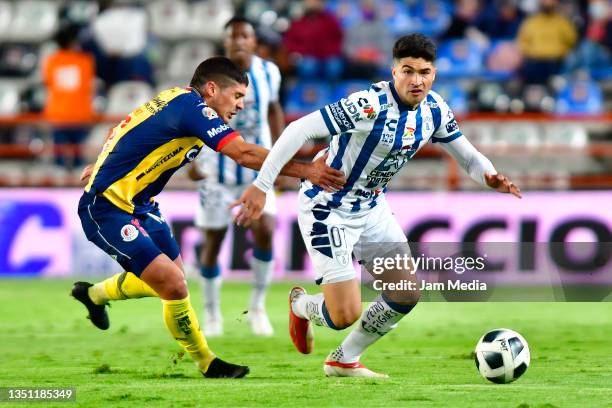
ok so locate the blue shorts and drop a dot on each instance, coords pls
(132, 240)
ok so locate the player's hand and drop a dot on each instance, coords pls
(86, 173)
(502, 184)
(324, 176)
(252, 203)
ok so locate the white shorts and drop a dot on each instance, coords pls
(213, 210)
(332, 235)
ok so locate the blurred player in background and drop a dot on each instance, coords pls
(120, 216)
(223, 181)
(377, 131)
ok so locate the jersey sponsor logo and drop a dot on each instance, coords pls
(352, 109)
(340, 116)
(219, 129)
(129, 232)
(155, 105)
(452, 126)
(384, 172)
(369, 111)
(209, 113)
(160, 161)
(432, 105)
(408, 136)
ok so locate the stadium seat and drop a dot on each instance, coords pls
(185, 57)
(523, 134)
(9, 97)
(478, 133)
(503, 59)
(6, 13)
(345, 88)
(537, 98)
(396, 16)
(431, 18)
(255, 8)
(346, 11)
(34, 21)
(95, 140)
(169, 19)
(580, 97)
(307, 96)
(81, 12)
(491, 97)
(459, 59)
(454, 95)
(571, 135)
(208, 18)
(17, 59)
(125, 96)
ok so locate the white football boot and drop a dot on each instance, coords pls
(333, 368)
(260, 323)
(213, 324)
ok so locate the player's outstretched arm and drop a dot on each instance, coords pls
(253, 156)
(479, 167)
(294, 136)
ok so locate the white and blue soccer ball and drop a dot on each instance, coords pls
(502, 356)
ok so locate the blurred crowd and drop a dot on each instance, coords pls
(71, 60)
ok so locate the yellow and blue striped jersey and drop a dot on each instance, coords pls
(154, 141)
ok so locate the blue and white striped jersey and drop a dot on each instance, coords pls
(251, 122)
(376, 135)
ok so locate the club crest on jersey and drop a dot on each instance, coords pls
(129, 232)
(342, 257)
(209, 113)
(192, 153)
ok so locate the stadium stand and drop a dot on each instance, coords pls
(479, 76)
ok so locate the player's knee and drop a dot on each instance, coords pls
(412, 297)
(345, 316)
(408, 297)
(175, 289)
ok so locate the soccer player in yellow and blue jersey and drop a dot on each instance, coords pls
(119, 214)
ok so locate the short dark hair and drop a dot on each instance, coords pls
(238, 19)
(220, 70)
(416, 46)
(67, 35)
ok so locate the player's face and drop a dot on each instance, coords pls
(413, 79)
(225, 101)
(240, 42)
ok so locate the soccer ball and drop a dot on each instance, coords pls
(502, 356)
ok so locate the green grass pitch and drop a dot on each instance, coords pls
(46, 341)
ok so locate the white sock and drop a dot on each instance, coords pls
(212, 295)
(262, 275)
(312, 307)
(376, 321)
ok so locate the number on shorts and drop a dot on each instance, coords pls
(338, 236)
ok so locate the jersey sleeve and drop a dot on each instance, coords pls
(274, 80)
(448, 130)
(203, 122)
(355, 113)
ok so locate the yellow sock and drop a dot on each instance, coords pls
(124, 285)
(182, 322)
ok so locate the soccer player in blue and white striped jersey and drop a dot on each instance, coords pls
(375, 132)
(261, 121)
